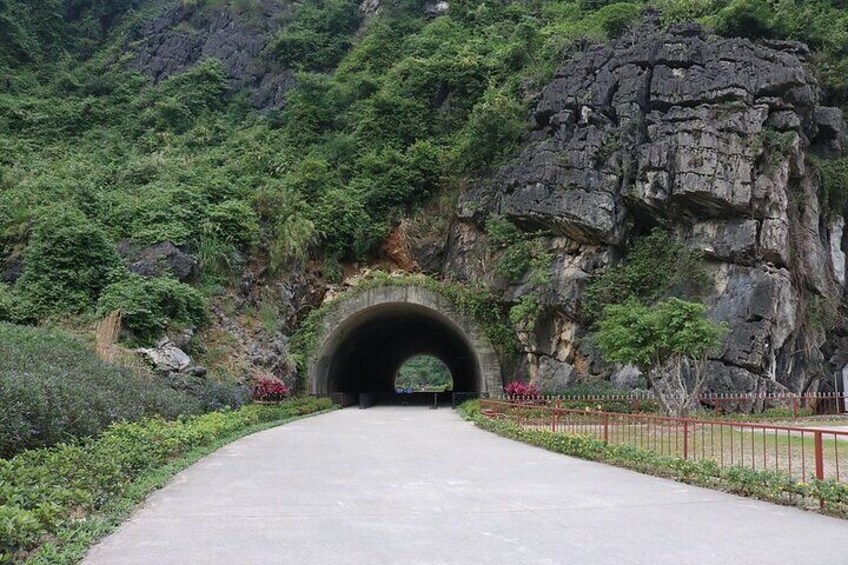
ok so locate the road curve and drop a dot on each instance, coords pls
(418, 486)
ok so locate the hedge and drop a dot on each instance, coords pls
(829, 497)
(55, 502)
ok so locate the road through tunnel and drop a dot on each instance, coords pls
(366, 340)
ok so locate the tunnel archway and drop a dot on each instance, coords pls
(365, 340)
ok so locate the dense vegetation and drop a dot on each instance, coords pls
(380, 122)
(55, 502)
(424, 373)
(388, 112)
(54, 388)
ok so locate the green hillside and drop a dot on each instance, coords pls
(386, 114)
(379, 116)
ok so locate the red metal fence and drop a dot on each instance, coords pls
(803, 453)
(816, 403)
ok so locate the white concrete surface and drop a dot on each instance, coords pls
(418, 486)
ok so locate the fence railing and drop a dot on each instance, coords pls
(803, 453)
(817, 403)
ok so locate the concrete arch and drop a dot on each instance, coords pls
(364, 341)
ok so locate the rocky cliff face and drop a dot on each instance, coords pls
(187, 33)
(709, 137)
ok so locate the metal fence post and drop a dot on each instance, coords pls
(606, 428)
(685, 439)
(819, 456)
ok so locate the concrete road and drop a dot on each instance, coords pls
(412, 485)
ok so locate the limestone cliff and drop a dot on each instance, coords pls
(186, 33)
(711, 138)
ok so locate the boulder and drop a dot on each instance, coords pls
(11, 269)
(166, 357)
(160, 259)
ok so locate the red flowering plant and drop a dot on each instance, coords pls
(269, 389)
(520, 389)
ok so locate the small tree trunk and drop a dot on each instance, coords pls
(677, 384)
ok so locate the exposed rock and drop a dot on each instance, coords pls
(158, 260)
(166, 357)
(707, 136)
(626, 377)
(726, 379)
(187, 33)
(731, 240)
(435, 8)
(836, 232)
(554, 376)
(11, 269)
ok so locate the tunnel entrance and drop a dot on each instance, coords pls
(366, 340)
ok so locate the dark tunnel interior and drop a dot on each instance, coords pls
(368, 351)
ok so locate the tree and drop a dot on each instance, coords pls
(424, 373)
(668, 342)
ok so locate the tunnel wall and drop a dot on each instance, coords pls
(374, 319)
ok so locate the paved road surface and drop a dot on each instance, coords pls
(417, 486)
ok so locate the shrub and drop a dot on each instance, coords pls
(53, 388)
(269, 389)
(68, 262)
(233, 221)
(833, 177)
(520, 388)
(319, 35)
(753, 19)
(13, 308)
(614, 19)
(828, 496)
(656, 267)
(149, 306)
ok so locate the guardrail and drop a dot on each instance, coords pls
(803, 453)
(818, 403)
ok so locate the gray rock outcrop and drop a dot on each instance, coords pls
(709, 137)
(187, 33)
(161, 259)
(166, 357)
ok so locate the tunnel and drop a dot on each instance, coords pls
(366, 339)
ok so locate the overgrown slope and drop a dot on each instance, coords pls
(137, 122)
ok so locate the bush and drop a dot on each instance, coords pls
(833, 177)
(614, 19)
(149, 306)
(48, 496)
(234, 222)
(53, 389)
(320, 34)
(656, 267)
(13, 308)
(269, 389)
(68, 262)
(520, 388)
(753, 19)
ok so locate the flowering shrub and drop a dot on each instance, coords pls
(520, 388)
(269, 388)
